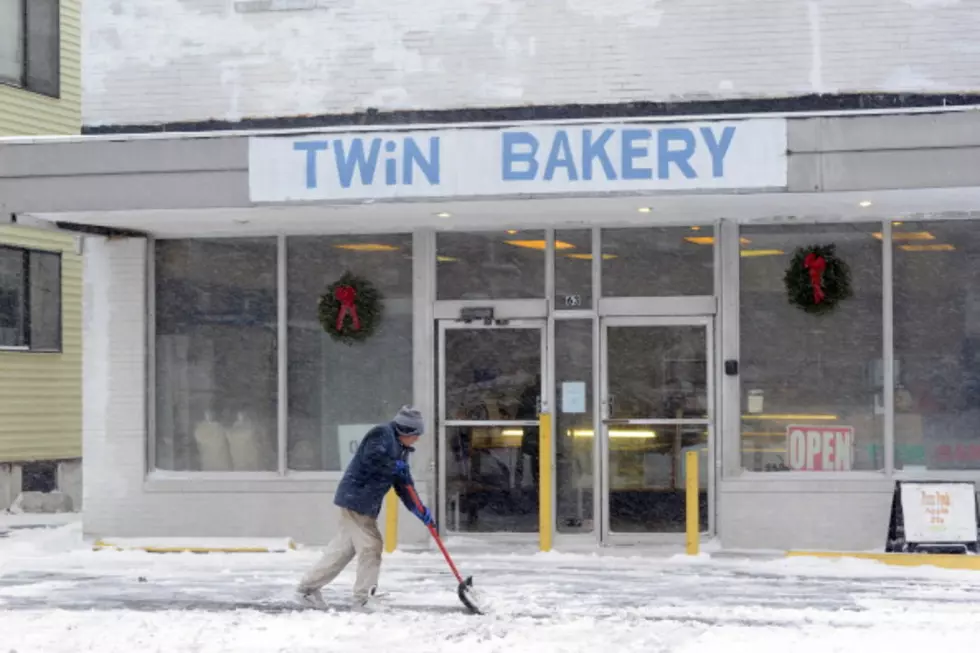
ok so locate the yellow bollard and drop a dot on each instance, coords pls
(545, 509)
(693, 521)
(391, 521)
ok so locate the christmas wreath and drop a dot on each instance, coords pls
(817, 280)
(350, 310)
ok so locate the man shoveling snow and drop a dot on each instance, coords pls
(378, 465)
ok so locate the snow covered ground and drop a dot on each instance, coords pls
(56, 595)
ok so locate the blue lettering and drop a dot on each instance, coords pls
(631, 151)
(347, 163)
(311, 148)
(718, 149)
(510, 156)
(680, 157)
(596, 150)
(560, 157)
(391, 165)
(391, 172)
(429, 166)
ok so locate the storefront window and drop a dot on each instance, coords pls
(937, 345)
(573, 269)
(216, 381)
(490, 265)
(574, 429)
(657, 261)
(337, 391)
(812, 396)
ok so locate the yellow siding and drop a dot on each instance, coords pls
(23, 113)
(41, 394)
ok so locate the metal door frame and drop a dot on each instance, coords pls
(541, 324)
(602, 503)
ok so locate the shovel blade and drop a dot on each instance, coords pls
(465, 592)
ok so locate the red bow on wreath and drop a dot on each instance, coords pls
(816, 266)
(346, 296)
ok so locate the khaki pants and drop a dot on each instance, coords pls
(358, 535)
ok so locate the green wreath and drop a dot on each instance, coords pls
(351, 309)
(817, 280)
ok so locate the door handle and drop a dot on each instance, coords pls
(608, 405)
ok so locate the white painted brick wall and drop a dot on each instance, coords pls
(148, 61)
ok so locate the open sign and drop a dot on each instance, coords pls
(820, 448)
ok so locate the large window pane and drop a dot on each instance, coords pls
(490, 265)
(492, 470)
(575, 440)
(339, 391)
(11, 41)
(45, 292)
(13, 320)
(937, 345)
(573, 269)
(216, 360)
(820, 373)
(42, 72)
(657, 261)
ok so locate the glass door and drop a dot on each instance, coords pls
(490, 381)
(657, 404)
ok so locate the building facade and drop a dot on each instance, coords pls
(644, 311)
(40, 267)
(586, 235)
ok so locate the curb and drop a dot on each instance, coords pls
(941, 560)
(103, 545)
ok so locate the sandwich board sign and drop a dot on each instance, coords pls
(933, 517)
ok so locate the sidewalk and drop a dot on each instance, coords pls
(57, 595)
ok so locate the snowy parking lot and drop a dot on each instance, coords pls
(57, 595)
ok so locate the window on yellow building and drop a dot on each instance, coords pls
(30, 300)
(30, 53)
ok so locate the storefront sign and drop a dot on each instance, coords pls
(939, 512)
(472, 162)
(820, 448)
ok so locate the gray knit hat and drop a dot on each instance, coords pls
(409, 421)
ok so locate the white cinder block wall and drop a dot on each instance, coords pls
(114, 368)
(151, 61)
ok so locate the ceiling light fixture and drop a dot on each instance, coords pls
(907, 235)
(752, 253)
(367, 247)
(539, 244)
(928, 248)
(710, 240)
(644, 209)
(864, 204)
(444, 215)
(588, 257)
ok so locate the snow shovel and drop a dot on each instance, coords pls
(465, 589)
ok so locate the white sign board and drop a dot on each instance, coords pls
(820, 448)
(573, 397)
(348, 439)
(939, 512)
(526, 160)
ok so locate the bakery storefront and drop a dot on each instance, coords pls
(573, 306)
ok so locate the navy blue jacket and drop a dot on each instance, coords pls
(371, 473)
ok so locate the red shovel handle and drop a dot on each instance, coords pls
(435, 535)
